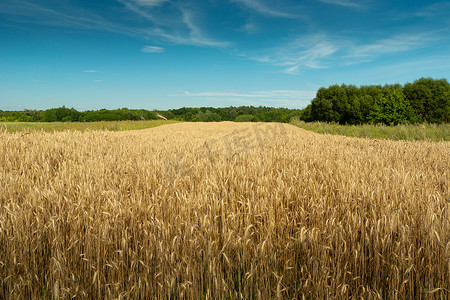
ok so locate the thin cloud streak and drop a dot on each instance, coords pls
(72, 17)
(197, 36)
(394, 44)
(430, 12)
(279, 98)
(324, 51)
(345, 3)
(296, 104)
(152, 49)
(258, 94)
(169, 29)
(150, 3)
(67, 16)
(138, 9)
(181, 24)
(263, 9)
(307, 52)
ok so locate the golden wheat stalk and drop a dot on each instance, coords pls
(222, 210)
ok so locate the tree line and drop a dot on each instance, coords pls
(64, 114)
(424, 100)
(202, 114)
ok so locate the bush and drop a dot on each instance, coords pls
(207, 116)
(246, 118)
(392, 108)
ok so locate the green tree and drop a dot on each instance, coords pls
(50, 115)
(207, 116)
(305, 114)
(392, 108)
(323, 106)
(430, 99)
(272, 115)
(246, 118)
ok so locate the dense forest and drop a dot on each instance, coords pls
(202, 114)
(424, 100)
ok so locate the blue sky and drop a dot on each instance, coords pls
(162, 54)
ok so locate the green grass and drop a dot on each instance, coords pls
(82, 126)
(419, 132)
(430, 132)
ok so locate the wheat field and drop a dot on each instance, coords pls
(222, 211)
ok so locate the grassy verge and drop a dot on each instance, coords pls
(82, 126)
(430, 132)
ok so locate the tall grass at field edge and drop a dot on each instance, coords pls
(407, 132)
(82, 126)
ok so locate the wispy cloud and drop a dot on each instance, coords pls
(197, 35)
(249, 28)
(150, 3)
(394, 44)
(324, 51)
(138, 9)
(265, 9)
(313, 57)
(345, 3)
(275, 94)
(279, 98)
(306, 52)
(62, 15)
(152, 49)
(177, 25)
(435, 15)
(167, 22)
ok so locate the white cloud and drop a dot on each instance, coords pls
(175, 25)
(319, 51)
(197, 34)
(178, 25)
(308, 52)
(394, 44)
(292, 70)
(186, 23)
(279, 98)
(345, 3)
(152, 49)
(66, 15)
(324, 51)
(150, 3)
(139, 10)
(265, 9)
(276, 94)
(434, 10)
(250, 28)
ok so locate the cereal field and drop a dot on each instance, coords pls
(222, 211)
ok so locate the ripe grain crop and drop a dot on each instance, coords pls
(82, 126)
(222, 210)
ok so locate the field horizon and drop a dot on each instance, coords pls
(407, 132)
